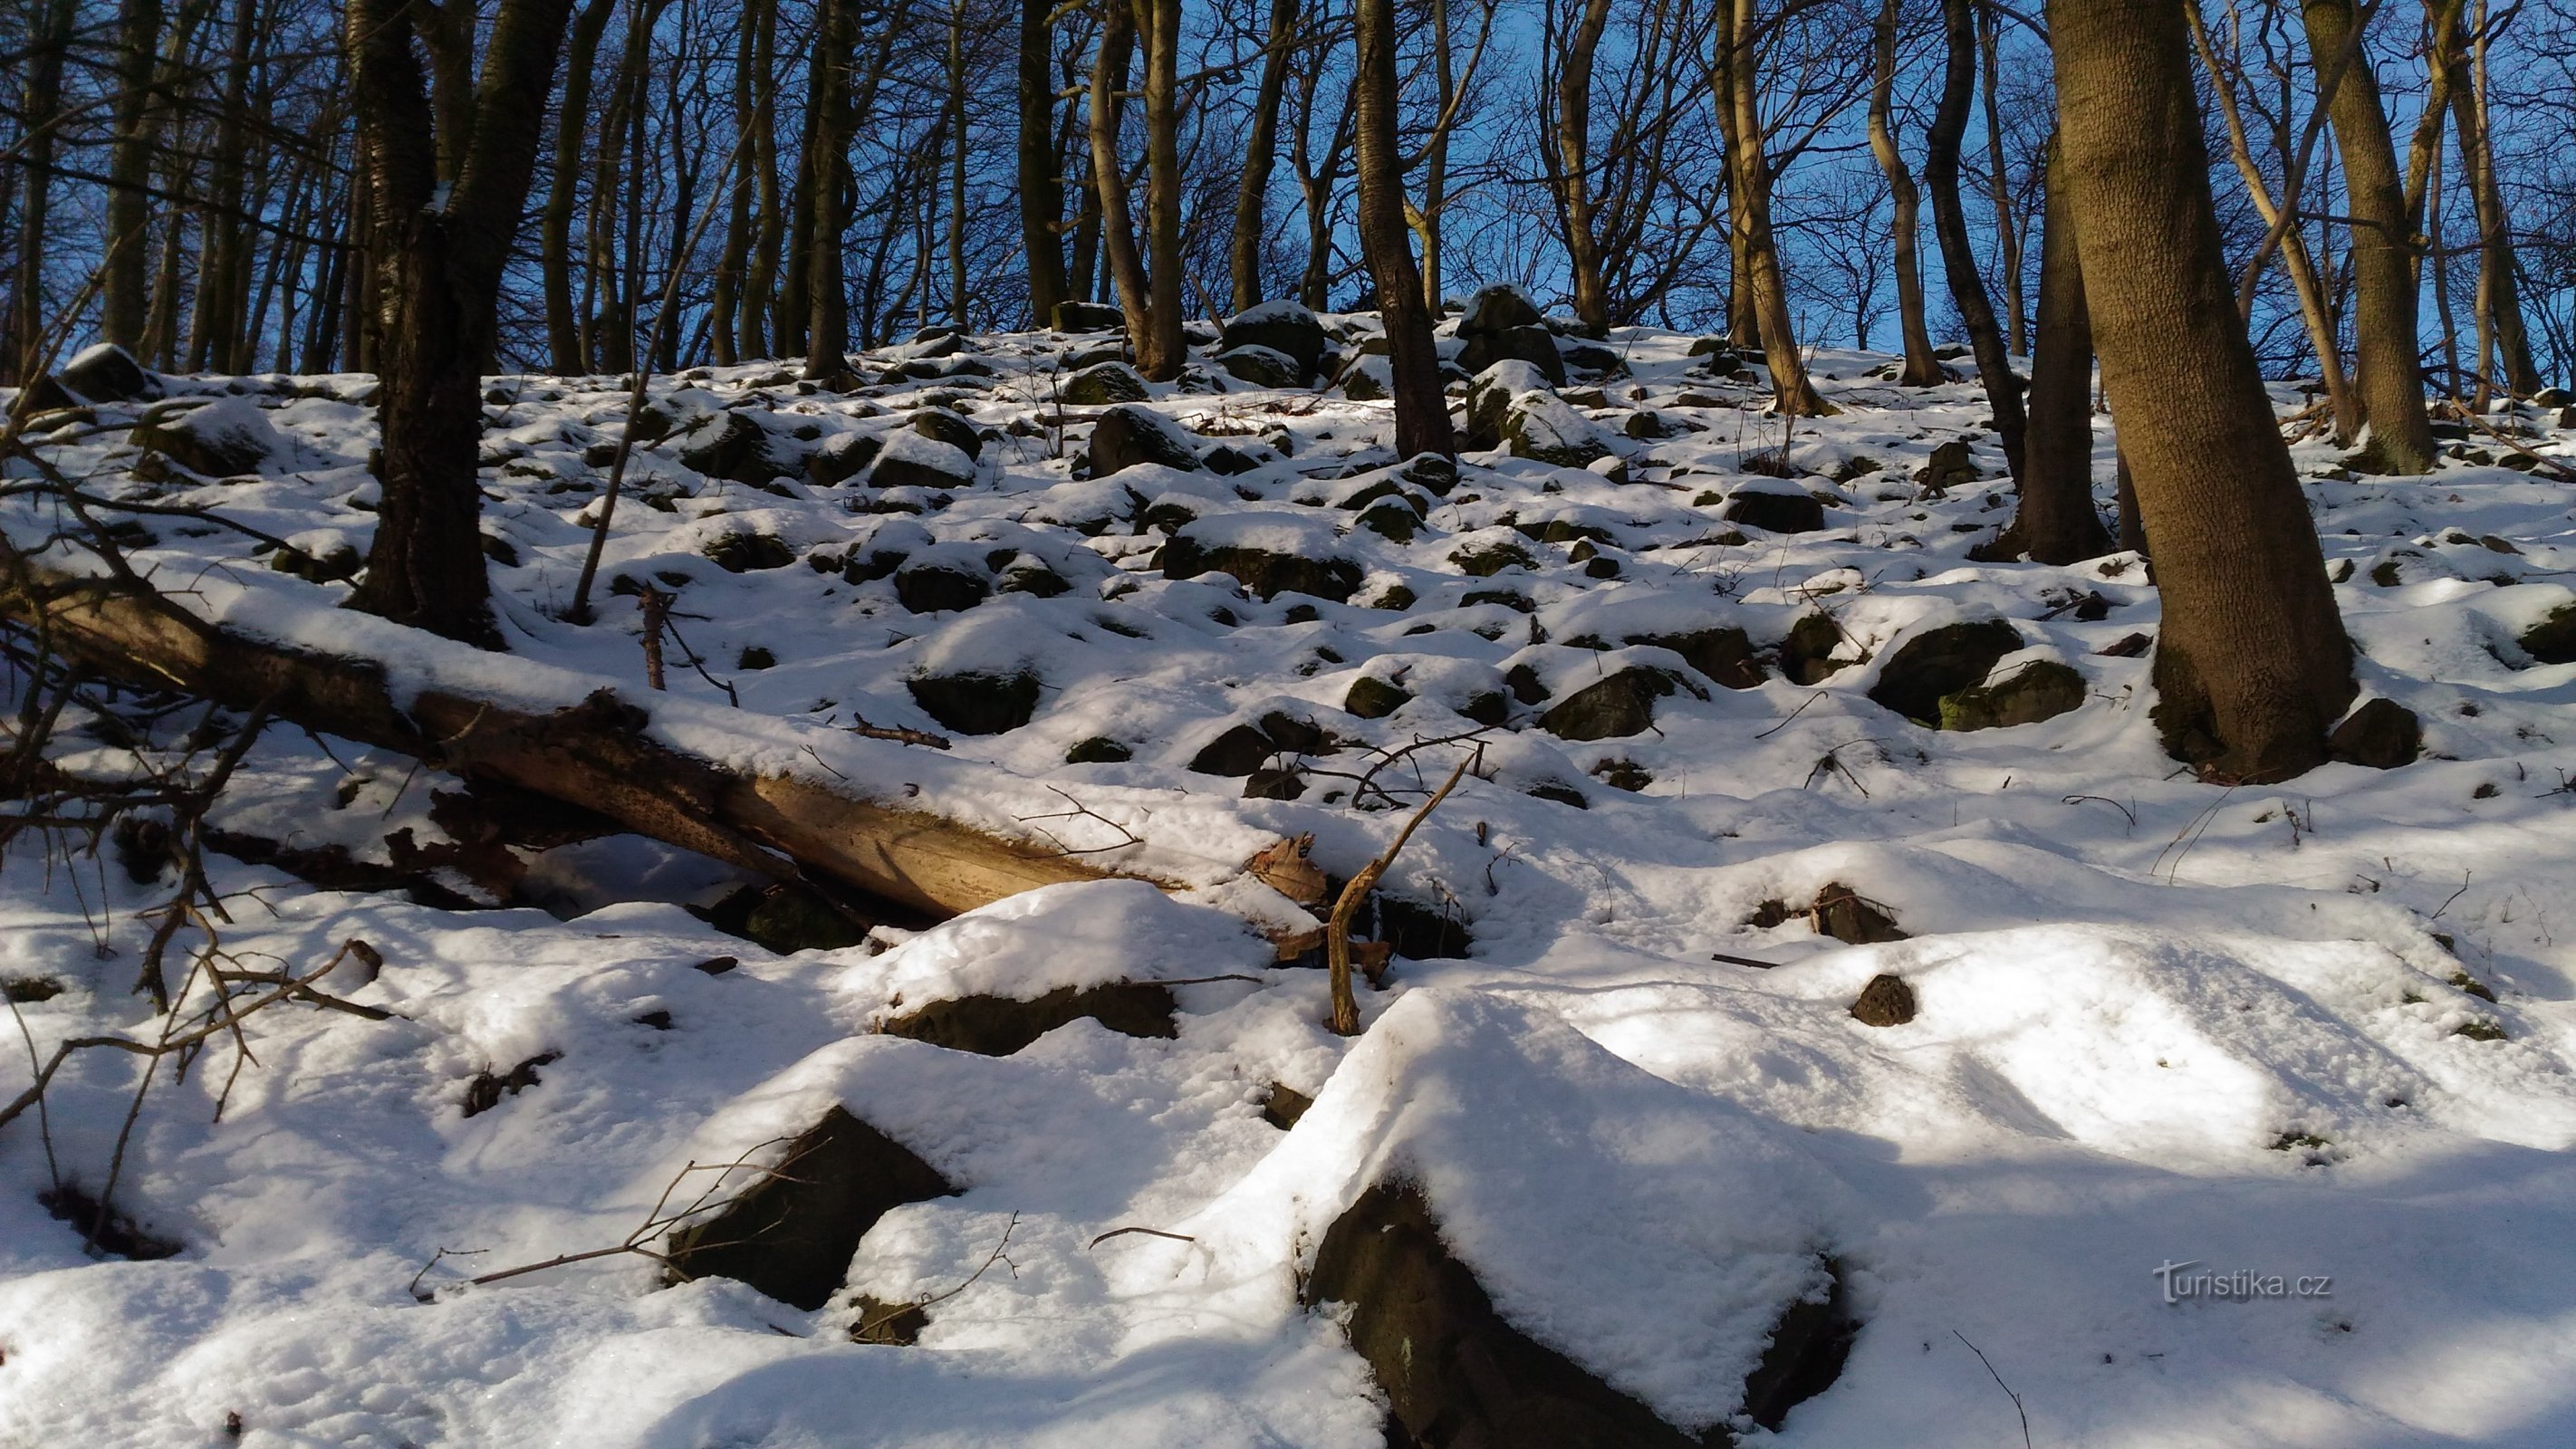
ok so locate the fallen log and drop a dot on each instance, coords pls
(785, 798)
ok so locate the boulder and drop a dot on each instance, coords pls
(976, 702)
(1261, 366)
(1086, 317)
(1778, 509)
(105, 372)
(1098, 750)
(1283, 327)
(1127, 436)
(1485, 560)
(791, 918)
(1546, 429)
(2553, 639)
(1724, 654)
(1533, 345)
(1939, 662)
(910, 460)
(1807, 655)
(1885, 1001)
(2382, 734)
(1619, 705)
(732, 445)
(1852, 918)
(1949, 468)
(216, 440)
(792, 1233)
(1103, 383)
(1263, 571)
(997, 1026)
(742, 551)
(939, 588)
(1490, 395)
(1497, 309)
(942, 426)
(1374, 698)
(845, 457)
(2041, 689)
(1234, 754)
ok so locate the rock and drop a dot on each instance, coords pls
(1282, 1105)
(1545, 428)
(1029, 576)
(792, 1234)
(1265, 573)
(2041, 689)
(336, 564)
(1098, 750)
(1488, 559)
(1779, 510)
(1949, 468)
(45, 395)
(1806, 656)
(1261, 367)
(2553, 639)
(1086, 317)
(942, 426)
(1497, 309)
(1724, 654)
(977, 703)
(2382, 734)
(1533, 345)
(731, 445)
(1391, 518)
(1274, 783)
(1941, 661)
(1457, 1373)
(743, 552)
(1422, 932)
(791, 918)
(1127, 436)
(1622, 704)
(2553, 397)
(1590, 357)
(220, 439)
(843, 458)
(1367, 379)
(937, 588)
(911, 460)
(1238, 752)
(1374, 698)
(105, 372)
(1852, 918)
(1885, 1001)
(996, 1026)
(1282, 327)
(1490, 396)
(1103, 383)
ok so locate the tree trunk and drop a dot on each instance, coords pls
(724, 307)
(827, 320)
(1999, 183)
(1749, 176)
(123, 280)
(2500, 318)
(1160, 350)
(22, 340)
(1261, 154)
(1041, 188)
(1572, 168)
(1950, 224)
(2387, 378)
(2251, 665)
(223, 278)
(757, 328)
(1743, 316)
(2056, 522)
(1109, 179)
(1421, 401)
(957, 81)
(554, 230)
(443, 239)
(1921, 368)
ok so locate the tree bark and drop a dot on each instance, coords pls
(1572, 168)
(2056, 522)
(1261, 156)
(2500, 320)
(1421, 401)
(1160, 350)
(2251, 664)
(554, 229)
(2387, 378)
(1041, 188)
(827, 317)
(1999, 183)
(1921, 368)
(1109, 178)
(756, 329)
(1749, 176)
(123, 281)
(43, 102)
(1950, 224)
(443, 239)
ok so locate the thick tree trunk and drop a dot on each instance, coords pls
(827, 318)
(1041, 189)
(1109, 178)
(2388, 380)
(1572, 168)
(554, 230)
(1160, 350)
(1421, 402)
(123, 281)
(724, 307)
(2056, 522)
(1921, 368)
(1749, 176)
(755, 333)
(224, 276)
(1261, 155)
(43, 100)
(2252, 665)
(1950, 224)
(443, 239)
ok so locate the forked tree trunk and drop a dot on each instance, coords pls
(2387, 378)
(1749, 177)
(1260, 157)
(1921, 368)
(2251, 664)
(1950, 224)
(2056, 522)
(442, 237)
(1041, 190)
(1421, 403)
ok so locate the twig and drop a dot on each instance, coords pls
(897, 733)
(1999, 1383)
(1148, 1232)
(889, 1314)
(1337, 931)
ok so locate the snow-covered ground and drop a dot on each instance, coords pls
(2160, 1022)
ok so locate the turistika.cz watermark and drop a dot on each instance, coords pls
(2244, 1285)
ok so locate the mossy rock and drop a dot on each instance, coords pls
(1533, 345)
(1261, 367)
(1488, 559)
(216, 440)
(1940, 662)
(1546, 429)
(1071, 316)
(1806, 656)
(1099, 750)
(1622, 704)
(1374, 698)
(2041, 689)
(1392, 518)
(2553, 639)
(337, 564)
(1950, 467)
(1104, 383)
(939, 588)
(791, 918)
(942, 426)
(1034, 579)
(976, 702)
(1487, 707)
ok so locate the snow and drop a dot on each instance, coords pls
(2159, 1021)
